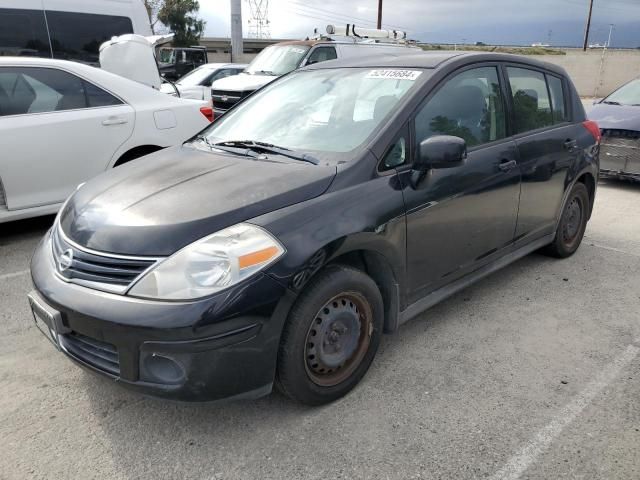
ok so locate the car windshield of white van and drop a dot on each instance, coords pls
(277, 60)
(329, 110)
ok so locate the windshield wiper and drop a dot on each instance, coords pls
(268, 148)
(611, 102)
(264, 72)
(230, 148)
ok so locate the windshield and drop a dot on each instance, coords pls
(196, 77)
(167, 55)
(628, 94)
(332, 110)
(277, 60)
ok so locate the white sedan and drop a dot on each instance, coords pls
(197, 83)
(62, 123)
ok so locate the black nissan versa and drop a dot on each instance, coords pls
(327, 208)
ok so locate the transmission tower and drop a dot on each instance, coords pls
(259, 19)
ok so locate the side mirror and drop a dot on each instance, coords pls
(441, 151)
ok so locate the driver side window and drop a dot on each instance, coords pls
(469, 106)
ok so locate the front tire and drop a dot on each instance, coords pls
(331, 336)
(572, 225)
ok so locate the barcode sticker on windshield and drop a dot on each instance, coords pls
(394, 74)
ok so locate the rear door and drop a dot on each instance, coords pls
(57, 131)
(459, 217)
(547, 147)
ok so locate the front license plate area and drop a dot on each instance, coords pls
(47, 319)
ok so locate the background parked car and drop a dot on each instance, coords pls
(197, 83)
(619, 118)
(62, 123)
(281, 58)
(174, 63)
(67, 29)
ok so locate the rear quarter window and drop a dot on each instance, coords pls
(558, 103)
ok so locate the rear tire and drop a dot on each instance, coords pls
(331, 336)
(572, 225)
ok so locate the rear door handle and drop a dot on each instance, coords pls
(114, 121)
(570, 145)
(507, 165)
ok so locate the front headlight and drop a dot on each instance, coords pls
(211, 264)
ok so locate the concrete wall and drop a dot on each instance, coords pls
(592, 76)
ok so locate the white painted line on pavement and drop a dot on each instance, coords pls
(613, 249)
(14, 274)
(517, 465)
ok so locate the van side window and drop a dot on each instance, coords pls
(557, 99)
(39, 90)
(532, 107)
(469, 106)
(78, 36)
(23, 33)
(322, 54)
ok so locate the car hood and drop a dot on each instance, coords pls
(617, 117)
(159, 203)
(242, 82)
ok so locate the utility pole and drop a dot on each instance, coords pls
(237, 48)
(586, 30)
(379, 14)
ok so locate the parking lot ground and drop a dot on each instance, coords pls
(532, 373)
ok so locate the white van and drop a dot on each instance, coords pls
(67, 29)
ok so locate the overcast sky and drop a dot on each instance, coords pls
(519, 22)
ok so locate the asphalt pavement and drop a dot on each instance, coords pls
(532, 373)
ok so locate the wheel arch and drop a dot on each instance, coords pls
(589, 181)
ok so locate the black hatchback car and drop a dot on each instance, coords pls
(329, 207)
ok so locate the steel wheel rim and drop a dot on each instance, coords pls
(338, 339)
(573, 221)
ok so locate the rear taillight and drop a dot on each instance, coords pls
(207, 112)
(593, 129)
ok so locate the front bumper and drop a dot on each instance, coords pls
(219, 347)
(620, 154)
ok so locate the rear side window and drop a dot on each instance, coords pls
(39, 90)
(557, 99)
(96, 97)
(23, 33)
(532, 107)
(78, 36)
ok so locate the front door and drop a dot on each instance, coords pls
(57, 131)
(457, 218)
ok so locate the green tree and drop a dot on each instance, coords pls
(180, 16)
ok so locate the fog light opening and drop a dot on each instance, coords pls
(162, 369)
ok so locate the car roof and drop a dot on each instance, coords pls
(224, 65)
(432, 60)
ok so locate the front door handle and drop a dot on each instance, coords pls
(507, 165)
(114, 121)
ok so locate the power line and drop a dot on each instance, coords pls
(346, 18)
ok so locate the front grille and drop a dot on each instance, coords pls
(620, 151)
(224, 99)
(101, 355)
(3, 198)
(100, 271)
